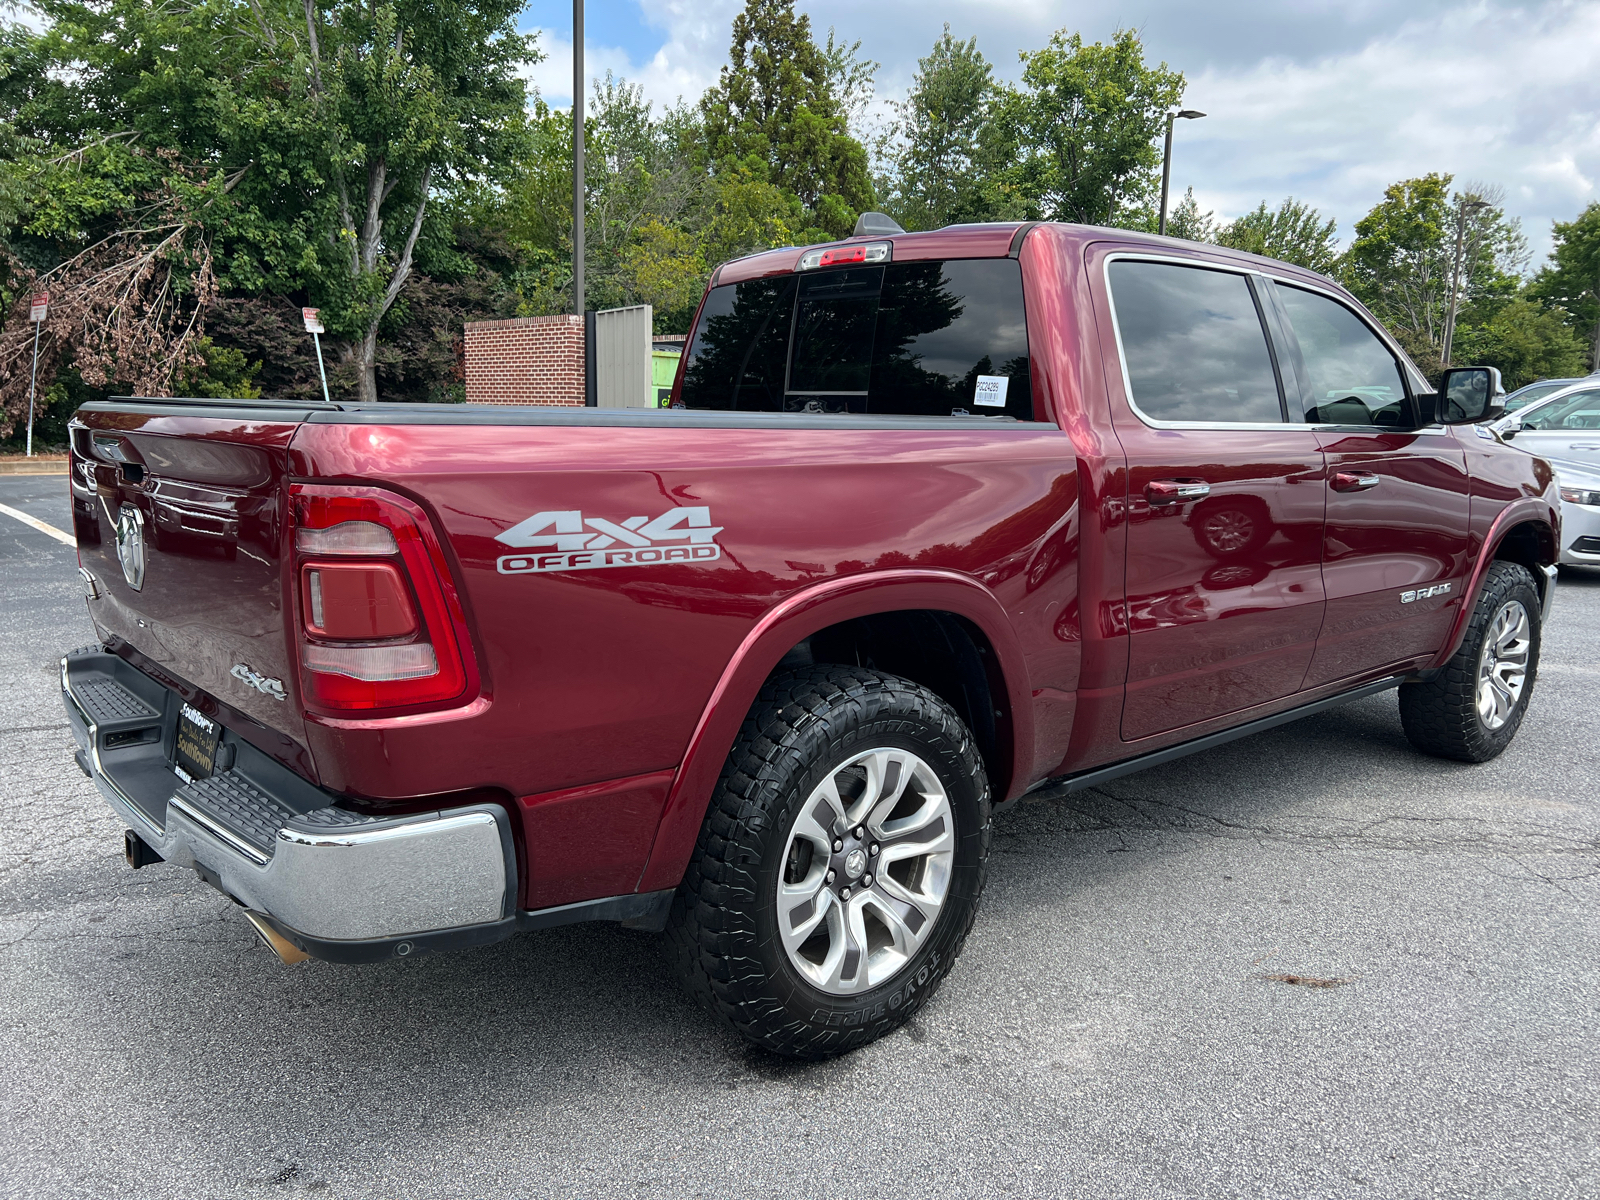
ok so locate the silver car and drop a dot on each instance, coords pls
(1565, 429)
(1564, 426)
(1530, 393)
(1580, 514)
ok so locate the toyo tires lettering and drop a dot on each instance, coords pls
(902, 995)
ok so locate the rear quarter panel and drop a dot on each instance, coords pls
(602, 675)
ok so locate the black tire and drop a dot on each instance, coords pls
(1441, 717)
(722, 932)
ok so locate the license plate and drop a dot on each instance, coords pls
(196, 751)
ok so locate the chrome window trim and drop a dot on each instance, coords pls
(1409, 371)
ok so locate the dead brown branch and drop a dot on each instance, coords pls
(129, 312)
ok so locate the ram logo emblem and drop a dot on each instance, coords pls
(1438, 589)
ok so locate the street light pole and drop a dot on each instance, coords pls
(1187, 114)
(577, 158)
(1455, 279)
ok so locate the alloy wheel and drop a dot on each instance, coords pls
(866, 870)
(1503, 664)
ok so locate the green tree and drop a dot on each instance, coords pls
(412, 96)
(1295, 233)
(221, 146)
(1571, 278)
(1403, 257)
(1188, 222)
(1086, 124)
(945, 166)
(776, 108)
(1526, 341)
(661, 215)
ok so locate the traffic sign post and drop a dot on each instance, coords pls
(313, 320)
(37, 311)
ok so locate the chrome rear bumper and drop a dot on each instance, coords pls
(336, 883)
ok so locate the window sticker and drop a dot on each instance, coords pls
(991, 391)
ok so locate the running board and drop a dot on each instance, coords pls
(1089, 779)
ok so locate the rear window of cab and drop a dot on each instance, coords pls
(911, 339)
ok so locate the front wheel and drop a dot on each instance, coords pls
(1473, 708)
(840, 864)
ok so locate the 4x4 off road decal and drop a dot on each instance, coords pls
(569, 541)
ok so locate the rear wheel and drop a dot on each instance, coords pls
(1473, 708)
(840, 864)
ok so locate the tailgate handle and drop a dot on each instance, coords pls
(1176, 491)
(1350, 481)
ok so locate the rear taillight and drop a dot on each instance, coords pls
(359, 601)
(381, 624)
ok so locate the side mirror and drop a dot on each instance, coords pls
(1468, 395)
(1510, 430)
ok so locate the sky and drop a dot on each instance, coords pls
(1327, 101)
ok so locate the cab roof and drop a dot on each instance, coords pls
(998, 239)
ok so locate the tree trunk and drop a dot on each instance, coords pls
(366, 356)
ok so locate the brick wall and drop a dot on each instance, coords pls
(532, 360)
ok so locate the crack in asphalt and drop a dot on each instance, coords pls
(1149, 814)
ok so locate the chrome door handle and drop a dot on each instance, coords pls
(1176, 491)
(1349, 481)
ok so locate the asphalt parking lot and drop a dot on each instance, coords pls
(1108, 1032)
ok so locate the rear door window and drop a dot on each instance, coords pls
(913, 339)
(1193, 344)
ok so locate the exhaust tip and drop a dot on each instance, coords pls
(288, 953)
(137, 851)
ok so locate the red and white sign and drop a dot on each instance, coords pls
(313, 320)
(40, 306)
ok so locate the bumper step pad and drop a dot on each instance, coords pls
(239, 807)
(231, 801)
(105, 701)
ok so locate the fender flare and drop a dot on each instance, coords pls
(795, 619)
(1537, 511)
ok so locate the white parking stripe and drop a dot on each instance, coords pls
(66, 539)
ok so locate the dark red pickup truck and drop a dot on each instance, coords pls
(936, 519)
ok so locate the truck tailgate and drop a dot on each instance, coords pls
(180, 518)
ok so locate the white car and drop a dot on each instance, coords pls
(1564, 426)
(1580, 515)
(1565, 429)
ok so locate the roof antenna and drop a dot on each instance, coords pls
(870, 223)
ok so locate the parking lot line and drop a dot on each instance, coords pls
(66, 539)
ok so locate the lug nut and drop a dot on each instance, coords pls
(867, 881)
(845, 894)
(837, 846)
(874, 847)
(857, 833)
(829, 879)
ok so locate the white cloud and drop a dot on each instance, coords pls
(1328, 100)
(1507, 97)
(685, 66)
